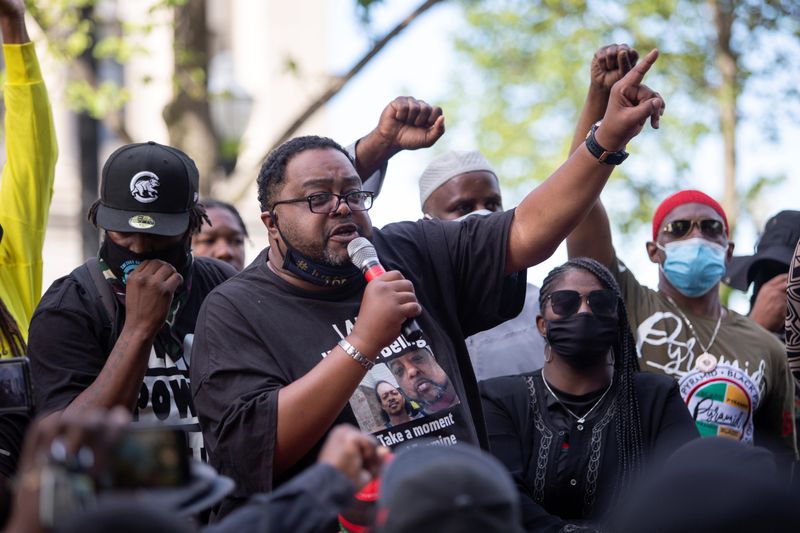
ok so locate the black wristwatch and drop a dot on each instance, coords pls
(603, 155)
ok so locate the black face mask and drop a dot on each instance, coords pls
(582, 340)
(319, 273)
(122, 261)
(315, 272)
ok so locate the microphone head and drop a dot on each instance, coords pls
(362, 252)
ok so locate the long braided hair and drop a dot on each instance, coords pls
(10, 332)
(626, 363)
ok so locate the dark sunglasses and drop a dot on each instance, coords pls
(602, 302)
(709, 227)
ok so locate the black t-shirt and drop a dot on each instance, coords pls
(69, 342)
(257, 334)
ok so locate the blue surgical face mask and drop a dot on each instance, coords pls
(693, 266)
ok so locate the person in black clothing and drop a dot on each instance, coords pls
(118, 330)
(579, 431)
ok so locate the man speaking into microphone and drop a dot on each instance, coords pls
(296, 342)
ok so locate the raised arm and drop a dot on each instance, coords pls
(592, 236)
(551, 211)
(26, 186)
(405, 124)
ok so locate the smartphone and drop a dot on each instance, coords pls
(148, 457)
(16, 395)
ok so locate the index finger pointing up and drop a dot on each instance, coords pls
(636, 74)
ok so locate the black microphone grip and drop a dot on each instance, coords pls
(411, 330)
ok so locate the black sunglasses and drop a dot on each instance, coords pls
(709, 227)
(602, 302)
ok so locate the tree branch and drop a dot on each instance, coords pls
(336, 85)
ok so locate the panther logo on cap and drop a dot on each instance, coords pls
(144, 187)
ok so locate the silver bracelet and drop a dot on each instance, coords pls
(359, 357)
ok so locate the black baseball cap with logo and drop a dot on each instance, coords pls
(148, 188)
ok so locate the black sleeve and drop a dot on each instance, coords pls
(66, 348)
(12, 432)
(237, 405)
(504, 404)
(309, 503)
(477, 249)
(662, 408)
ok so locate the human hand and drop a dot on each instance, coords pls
(408, 124)
(769, 309)
(148, 295)
(610, 64)
(388, 301)
(86, 438)
(629, 105)
(354, 453)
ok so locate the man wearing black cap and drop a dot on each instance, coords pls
(118, 329)
(767, 270)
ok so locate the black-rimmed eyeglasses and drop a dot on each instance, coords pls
(324, 203)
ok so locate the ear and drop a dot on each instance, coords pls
(273, 234)
(729, 255)
(654, 252)
(541, 325)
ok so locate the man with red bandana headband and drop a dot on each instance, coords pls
(732, 373)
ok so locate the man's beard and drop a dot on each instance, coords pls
(436, 389)
(324, 256)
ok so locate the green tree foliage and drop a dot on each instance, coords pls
(74, 26)
(524, 70)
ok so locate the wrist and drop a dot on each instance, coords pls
(13, 29)
(353, 352)
(139, 332)
(598, 147)
(380, 144)
(366, 348)
(597, 90)
(604, 139)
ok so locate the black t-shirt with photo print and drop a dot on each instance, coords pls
(257, 333)
(69, 343)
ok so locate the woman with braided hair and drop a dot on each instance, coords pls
(576, 433)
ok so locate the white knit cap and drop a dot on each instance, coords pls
(447, 166)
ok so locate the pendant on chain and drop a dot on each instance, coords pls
(705, 363)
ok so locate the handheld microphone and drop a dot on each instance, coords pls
(363, 255)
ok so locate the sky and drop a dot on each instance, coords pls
(421, 63)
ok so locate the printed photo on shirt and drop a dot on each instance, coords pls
(407, 395)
